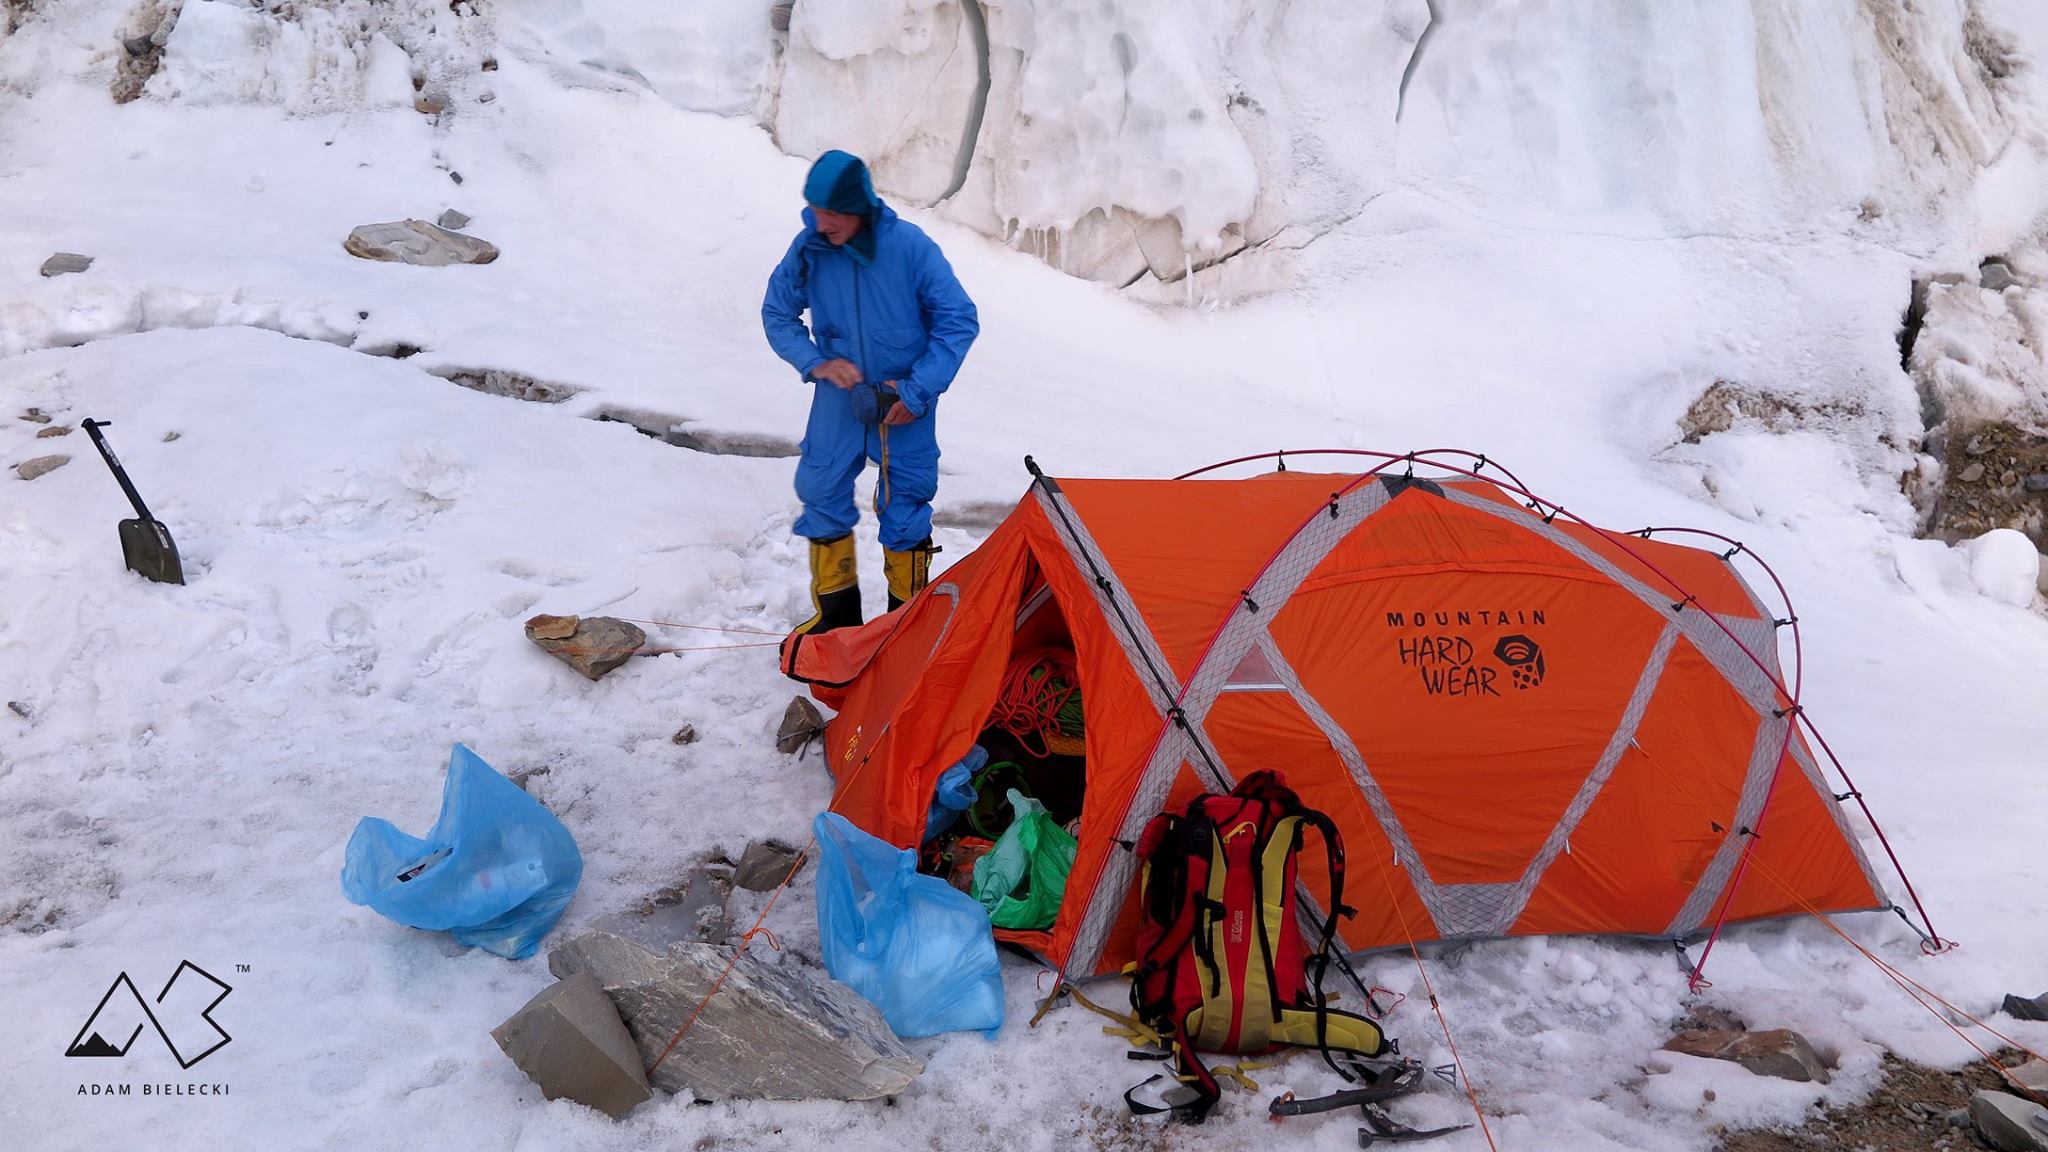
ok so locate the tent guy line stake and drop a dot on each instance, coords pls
(1920, 993)
(746, 938)
(1429, 987)
(810, 849)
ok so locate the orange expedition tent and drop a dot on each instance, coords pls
(1520, 725)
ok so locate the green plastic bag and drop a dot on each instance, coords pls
(1024, 877)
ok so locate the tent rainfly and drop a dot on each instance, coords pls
(1520, 724)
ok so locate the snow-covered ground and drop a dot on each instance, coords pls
(363, 537)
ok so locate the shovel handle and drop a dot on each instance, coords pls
(92, 428)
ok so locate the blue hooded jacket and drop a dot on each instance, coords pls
(887, 300)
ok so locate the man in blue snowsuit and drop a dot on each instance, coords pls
(889, 326)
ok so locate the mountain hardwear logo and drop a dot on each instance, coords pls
(182, 1016)
(1524, 660)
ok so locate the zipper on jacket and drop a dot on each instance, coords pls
(860, 328)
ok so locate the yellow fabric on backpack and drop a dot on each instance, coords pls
(1208, 1026)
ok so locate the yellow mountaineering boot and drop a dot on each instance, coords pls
(835, 586)
(908, 572)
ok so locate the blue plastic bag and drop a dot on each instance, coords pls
(496, 870)
(955, 793)
(921, 950)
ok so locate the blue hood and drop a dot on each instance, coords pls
(839, 182)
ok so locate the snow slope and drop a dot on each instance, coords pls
(363, 538)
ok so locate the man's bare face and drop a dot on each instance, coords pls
(838, 227)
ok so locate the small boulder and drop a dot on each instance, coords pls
(687, 734)
(571, 1042)
(783, 1031)
(40, 466)
(2020, 1008)
(64, 263)
(35, 416)
(2030, 1077)
(696, 911)
(2038, 482)
(545, 627)
(801, 724)
(418, 242)
(1995, 275)
(765, 865)
(53, 430)
(1779, 1052)
(452, 220)
(2009, 1122)
(593, 645)
(1973, 473)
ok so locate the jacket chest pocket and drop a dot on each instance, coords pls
(895, 351)
(834, 342)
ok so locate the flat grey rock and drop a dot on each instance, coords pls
(1995, 275)
(64, 263)
(2031, 1076)
(592, 645)
(418, 242)
(2022, 1008)
(571, 1042)
(771, 1032)
(1779, 1052)
(765, 865)
(2008, 1122)
(453, 221)
(801, 724)
(40, 466)
(694, 912)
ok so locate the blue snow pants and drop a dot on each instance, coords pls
(837, 447)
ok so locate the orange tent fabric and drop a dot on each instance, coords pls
(1519, 726)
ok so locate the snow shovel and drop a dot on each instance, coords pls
(146, 544)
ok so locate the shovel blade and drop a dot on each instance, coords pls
(147, 548)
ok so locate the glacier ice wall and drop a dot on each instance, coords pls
(1140, 139)
(1151, 136)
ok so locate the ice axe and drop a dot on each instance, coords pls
(146, 544)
